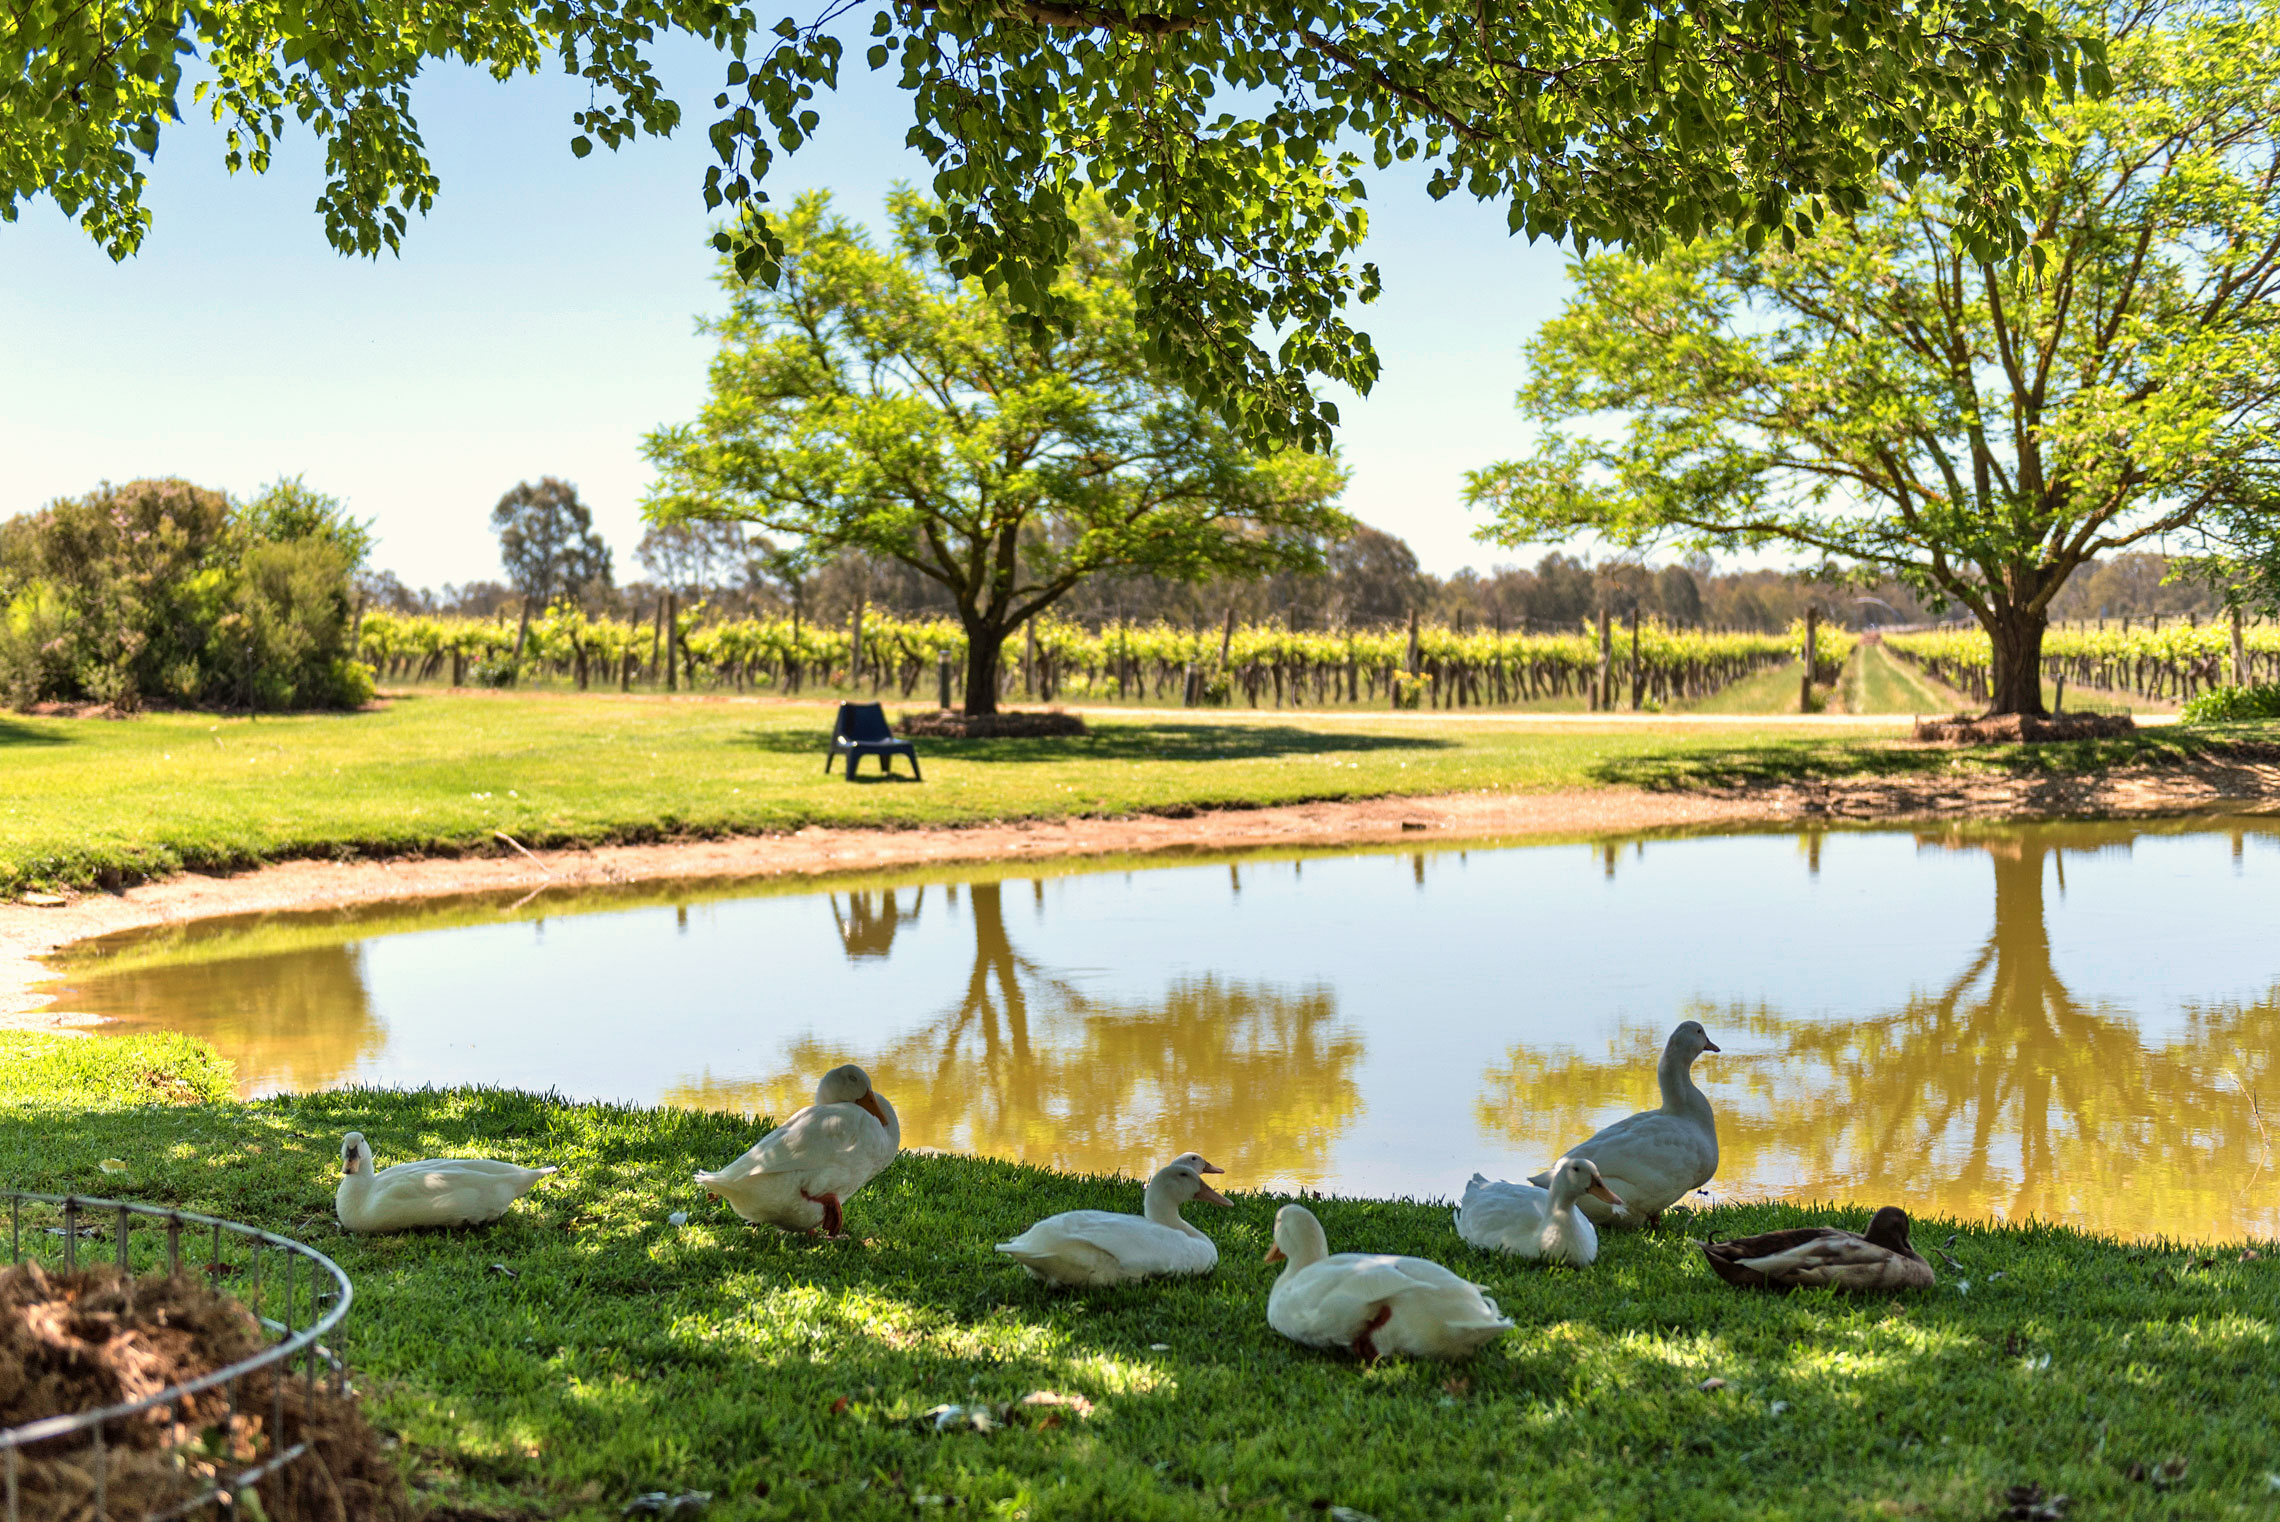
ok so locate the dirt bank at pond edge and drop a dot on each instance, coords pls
(28, 933)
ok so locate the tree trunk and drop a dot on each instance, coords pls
(983, 647)
(2016, 676)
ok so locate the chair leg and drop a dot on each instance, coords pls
(828, 757)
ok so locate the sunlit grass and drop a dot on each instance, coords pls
(110, 801)
(585, 1350)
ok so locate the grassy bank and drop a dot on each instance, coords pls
(104, 801)
(585, 1350)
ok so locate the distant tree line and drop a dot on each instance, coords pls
(1371, 579)
(159, 591)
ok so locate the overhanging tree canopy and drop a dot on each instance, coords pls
(1888, 396)
(874, 401)
(1231, 134)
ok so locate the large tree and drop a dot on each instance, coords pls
(875, 401)
(1886, 396)
(1233, 134)
(547, 542)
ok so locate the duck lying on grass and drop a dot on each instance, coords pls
(1373, 1304)
(435, 1191)
(801, 1175)
(1095, 1247)
(1532, 1222)
(1884, 1258)
(1652, 1159)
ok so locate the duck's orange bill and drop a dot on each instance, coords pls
(1209, 1195)
(870, 1101)
(1274, 1255)
(1605, 1193)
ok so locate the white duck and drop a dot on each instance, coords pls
(1532, 1222)
(1094, 1247)
(1652, 1159)
(801, 1174)
(1373, 1304)
(436, 1191)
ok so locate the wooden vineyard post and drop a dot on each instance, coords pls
(657, 636)
(942, 678)
(1029, 658)
(1812, 631)
(1638, 673)
(1226, 636)
(2239, 650)
(1395, 687)
(672, 641)
(855, 646)
(1602, 688)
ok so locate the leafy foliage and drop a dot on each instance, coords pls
(1887, 395)
(2234, 705)
(877, 401)
(1234, 136)
(547, 541)
(161, 589)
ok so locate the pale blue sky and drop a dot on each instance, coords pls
(540, 320)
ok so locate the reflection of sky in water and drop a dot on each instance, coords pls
(1529, 982)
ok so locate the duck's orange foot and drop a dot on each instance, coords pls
(833, 1225)
(1365, 1348)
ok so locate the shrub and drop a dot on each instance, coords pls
(2234, 705)
(163, 590)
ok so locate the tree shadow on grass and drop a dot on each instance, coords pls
(1778, 763)
(1153, 741)
(15, 732)
(532, 1363)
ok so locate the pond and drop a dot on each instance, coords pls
(2074, 1021)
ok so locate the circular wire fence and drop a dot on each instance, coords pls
(297, 1294)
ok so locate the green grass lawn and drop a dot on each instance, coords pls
(1880, 683)
(91, 800)
(585, 1350)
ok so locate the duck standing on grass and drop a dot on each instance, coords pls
(436, 1191)
(800, 1175)
(1373, 1304)
(1882, 1259)
(1096, 1247)
(1530, 1222)
(1651, 1160)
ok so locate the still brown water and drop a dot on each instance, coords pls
(2076, 1022)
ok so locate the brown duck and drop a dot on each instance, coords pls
(1883, 1259)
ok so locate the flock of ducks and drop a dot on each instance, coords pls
(801, 1175)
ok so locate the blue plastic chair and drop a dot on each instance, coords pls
(862, 731)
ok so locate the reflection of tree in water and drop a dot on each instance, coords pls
(293, 1021)
(1025, 1065)
(2000, 1094)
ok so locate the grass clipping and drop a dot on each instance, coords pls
(78, 1342)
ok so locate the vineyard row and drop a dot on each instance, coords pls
(2168, 665)
(1612, 666)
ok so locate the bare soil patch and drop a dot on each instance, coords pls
(2009, 728)
(78, 1342)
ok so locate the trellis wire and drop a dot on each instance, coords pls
(299, 1338)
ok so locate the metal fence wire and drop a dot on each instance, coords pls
(297, 1294)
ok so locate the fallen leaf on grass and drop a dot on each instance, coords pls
(659, 1503)
(2250, 1255)
(1077, 1404)
(678, 1218)
(1712, 1383)
(45, 900)
(220, 1270)
(112, 1165)
(839, 1406)
(2166, 1475)
(1348, 1514)
(2026, 1503)
(1459, 1387)
(501, 1268)
(1777, 1408)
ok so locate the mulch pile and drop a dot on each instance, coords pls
(77, 1342)
(948, 724)
(1963, 729)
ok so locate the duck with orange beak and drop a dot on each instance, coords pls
(1096, 1247)
(800, 1175)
